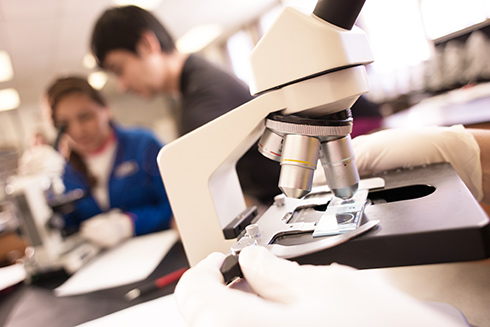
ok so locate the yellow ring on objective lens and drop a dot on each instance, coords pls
(300, 161)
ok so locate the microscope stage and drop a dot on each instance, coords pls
(426, 215)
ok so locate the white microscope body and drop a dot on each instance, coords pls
(48, 250)
(303, 66)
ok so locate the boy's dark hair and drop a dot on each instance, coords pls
(121, 28)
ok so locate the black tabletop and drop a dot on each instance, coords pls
(36, 305)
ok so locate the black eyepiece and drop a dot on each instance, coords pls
(342, 13)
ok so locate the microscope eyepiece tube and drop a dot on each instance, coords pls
(342, 13)
(298, 163)
(338, 161)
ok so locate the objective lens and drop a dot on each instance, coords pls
(298, 162)
(270, 145)
(338, 161)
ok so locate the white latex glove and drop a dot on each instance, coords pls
(293, 295)
(407, 147)
(107, 229)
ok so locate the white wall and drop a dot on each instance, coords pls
(17, 126)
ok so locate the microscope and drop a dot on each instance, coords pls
(40, 202)
(308, 70)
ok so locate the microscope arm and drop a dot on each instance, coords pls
(303, 64)
(201, 165)
(198, 169)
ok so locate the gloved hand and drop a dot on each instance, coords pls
(407, 147)
(291, 295)
(107, 229)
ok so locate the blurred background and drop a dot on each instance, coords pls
(423, 49)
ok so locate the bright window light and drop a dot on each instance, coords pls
(145, 4)
(443, 17)
(6, 71)
(398, 43)
(396, 33)
(97, 80)
(304, 4)
(89, 61)
(267, 19)
(9, 99)
(197, 38)
(240, 46)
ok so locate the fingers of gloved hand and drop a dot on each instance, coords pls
(101, 237)
(464, 156)
(336, 294)
(395, 148)
(204, 299)
(285, 281)
(191, 291)
(387, 306)
(93, 225)
(409, 147)
(107, 229)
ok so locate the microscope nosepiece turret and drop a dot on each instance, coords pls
(299, 142)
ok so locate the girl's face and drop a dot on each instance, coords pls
(86, 122)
